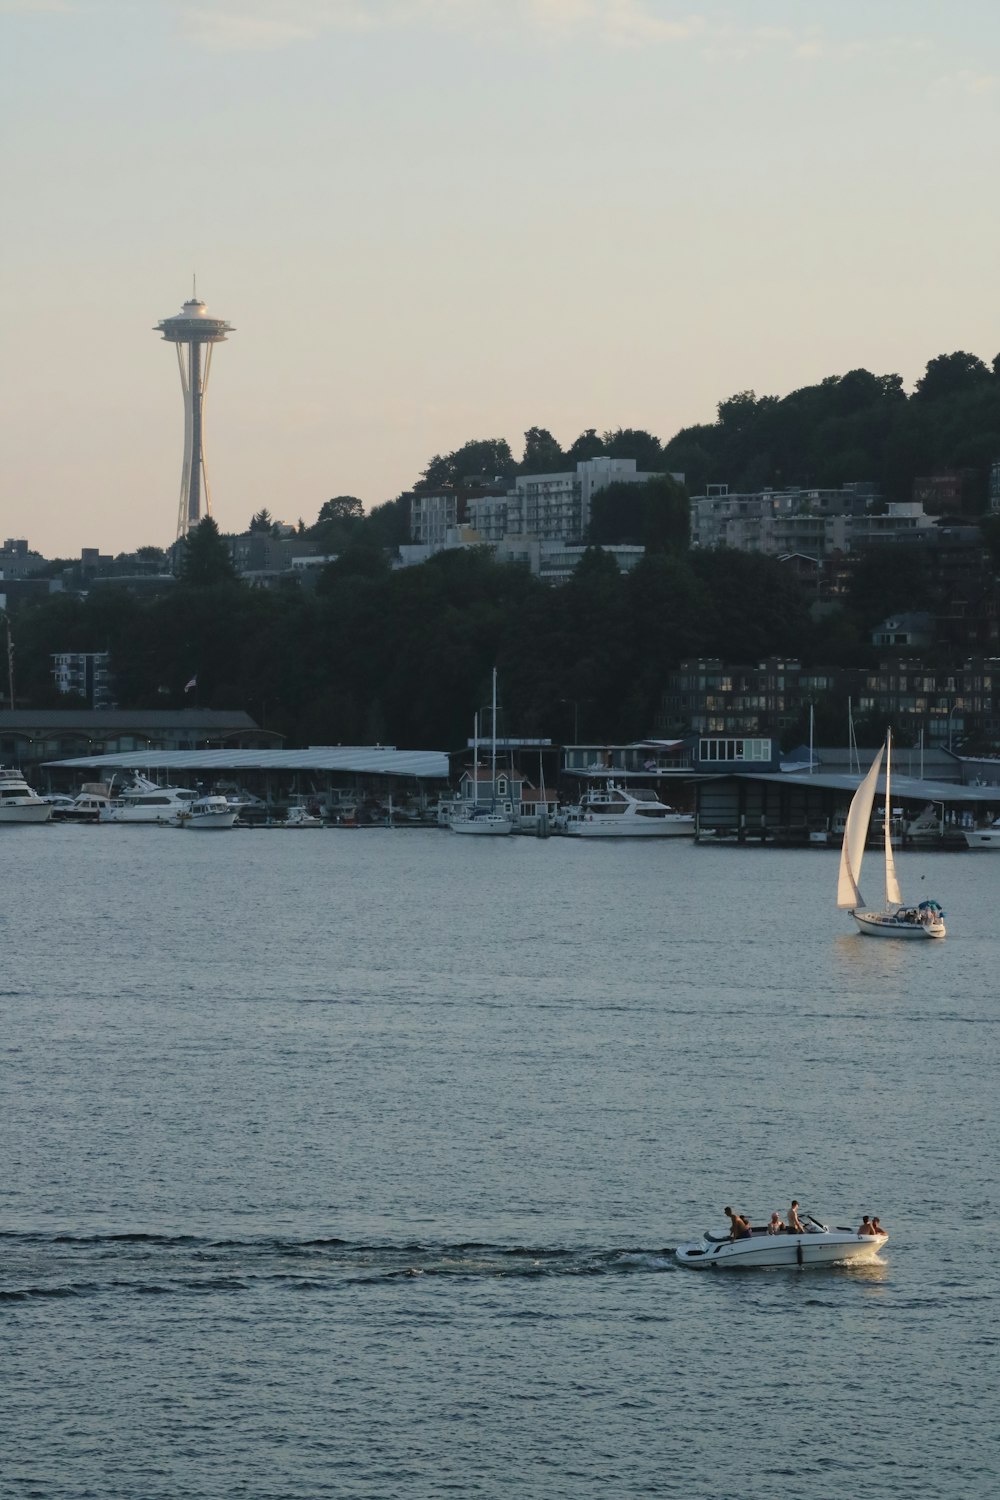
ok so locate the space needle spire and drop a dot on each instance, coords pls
(194, 333)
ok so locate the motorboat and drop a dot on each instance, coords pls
(145, 802)
(983, 838)
(18, 803)
(926, 920)
(85, 807)
(208, 812)
(61, 805)
(614, 811)
(300, 817)
(820, 1245)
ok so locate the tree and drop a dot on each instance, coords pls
(632, 442)
(950, 375)
(542, 454)
(655, 515)
(483, 458)
(205, 556)
(342, 508)
(588, 445)
(340, 523)
(264, 521)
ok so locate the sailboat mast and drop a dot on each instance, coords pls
(887, 820)
(493, 755)
(475, 757)
(812, 731)
(893, 895)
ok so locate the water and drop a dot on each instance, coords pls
(349, 1164)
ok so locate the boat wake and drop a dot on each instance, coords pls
(141, 1264)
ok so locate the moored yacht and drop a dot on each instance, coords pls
(984, 838)
(145, 802)
(18, 803)
(208, 812)
(818, 1246)
(615, 811)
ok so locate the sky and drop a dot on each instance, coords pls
(431, 221)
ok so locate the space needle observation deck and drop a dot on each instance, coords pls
(194, 333)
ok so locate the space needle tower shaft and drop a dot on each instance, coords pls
(194, 333)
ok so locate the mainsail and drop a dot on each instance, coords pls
(855, 836)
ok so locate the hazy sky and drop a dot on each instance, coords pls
(436, 220)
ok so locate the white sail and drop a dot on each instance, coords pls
(855, 836)
(892, 894)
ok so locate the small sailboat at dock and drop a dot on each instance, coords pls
(894, 920)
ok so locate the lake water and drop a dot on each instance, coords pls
(349, 1163)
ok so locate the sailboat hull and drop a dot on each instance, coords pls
(886, 924)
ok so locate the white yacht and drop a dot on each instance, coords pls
(819, 1246)
(18, 803)
(145, 802)
(984, 838)
(615, 811)
(208, 812)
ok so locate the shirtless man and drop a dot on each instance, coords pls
(866, 1226)
(877, 1227)
(739, 1228)
(775, 1226)
(795, 1224)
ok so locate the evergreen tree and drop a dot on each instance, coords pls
(205, 556)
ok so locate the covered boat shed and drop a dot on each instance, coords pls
(272, 774)
(799, 808)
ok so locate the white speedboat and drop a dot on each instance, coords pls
(300, 817)
(145, 802)
(819, 1246)
(984, 838)
(895, 920)
(208, 812)
(18, 803)
(615, 811)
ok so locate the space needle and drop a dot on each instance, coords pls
(194, 333)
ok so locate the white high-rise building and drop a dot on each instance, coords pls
(552, 507)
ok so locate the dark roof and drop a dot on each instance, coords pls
(103, 719)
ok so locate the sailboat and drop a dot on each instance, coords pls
(895, 919)
(480, 818)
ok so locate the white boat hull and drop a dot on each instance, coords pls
(29, 811)
(495, 825)
(984, 838)
(206, 820)
(673, 826)
(884, 924)
(827, 1248)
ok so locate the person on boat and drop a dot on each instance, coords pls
(795, 1224)
(877, 1227)
(775, 1226)
(739, 1227)
(866, 1226)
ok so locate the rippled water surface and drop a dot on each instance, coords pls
(350, 1163)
